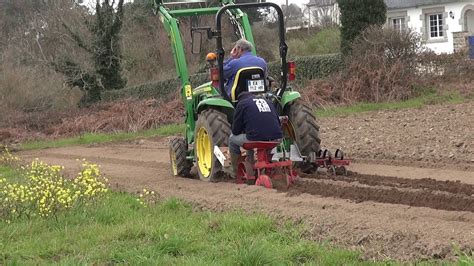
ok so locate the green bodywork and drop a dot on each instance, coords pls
(205, 96)
(289, 96)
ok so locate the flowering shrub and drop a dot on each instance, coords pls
(44, 191)
(9, 159)
(89, 184)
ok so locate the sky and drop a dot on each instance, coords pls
(300, 3)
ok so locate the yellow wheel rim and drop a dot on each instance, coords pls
(204, 152)
(174, 168)
(289, 131)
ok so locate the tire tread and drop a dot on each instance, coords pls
(180, 148)
(306, 130)
(220, 130)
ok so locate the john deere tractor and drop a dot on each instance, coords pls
(209, 110)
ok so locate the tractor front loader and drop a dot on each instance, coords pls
(209, 110)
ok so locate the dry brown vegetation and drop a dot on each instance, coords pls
(125, 115)
(386, 65)
(122, 116)
(33, 37)
(34, 89)
(36, 102)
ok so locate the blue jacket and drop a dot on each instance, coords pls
(231, 67)
(257, 118)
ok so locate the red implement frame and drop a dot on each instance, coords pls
(265, 169)
(336, 164)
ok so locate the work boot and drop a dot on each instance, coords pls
(250, 157)
(234, 161)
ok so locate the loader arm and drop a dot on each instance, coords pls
(169, 19)
(171, 26)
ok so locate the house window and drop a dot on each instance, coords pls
(398, 20)
(398, 24)
(436, 25)
(434, 28)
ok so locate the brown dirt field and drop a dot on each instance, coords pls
(437, 136)
(400, 217)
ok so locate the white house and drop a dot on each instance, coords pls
(323, 12)
(443, 24)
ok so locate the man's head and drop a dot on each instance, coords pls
(241, 46)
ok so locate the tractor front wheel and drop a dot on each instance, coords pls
(212, 129)
(305, 132)
(180, 165)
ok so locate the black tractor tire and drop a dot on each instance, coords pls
(216, 127)
(180, 166)
(306, 131)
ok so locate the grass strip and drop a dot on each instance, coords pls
(429, 98)
(97, 138)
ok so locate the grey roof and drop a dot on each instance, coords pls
(321, 2)
(397, 4)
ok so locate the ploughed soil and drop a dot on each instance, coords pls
(386, 207)
(437, 136)
(424, 192)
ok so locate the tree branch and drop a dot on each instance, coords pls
(77, 38)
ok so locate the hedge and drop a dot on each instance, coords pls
(307, 68)
(310, 67)
(156, 90)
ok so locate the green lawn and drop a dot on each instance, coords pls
(8, 173)
(429, 98)
(95, 138)
(118, 229)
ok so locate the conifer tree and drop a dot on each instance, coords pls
(356, 16)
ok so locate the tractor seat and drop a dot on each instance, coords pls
(251, 79)
(266, 145)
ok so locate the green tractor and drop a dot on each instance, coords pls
(209, 110)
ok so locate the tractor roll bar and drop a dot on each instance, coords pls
(221, 53)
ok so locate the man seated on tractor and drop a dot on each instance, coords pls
(255, 119)
(241, 56)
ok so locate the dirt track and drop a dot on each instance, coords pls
(386, 211)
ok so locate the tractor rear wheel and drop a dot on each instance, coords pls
(212, 129)
(180, 165)
(305, 132)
